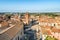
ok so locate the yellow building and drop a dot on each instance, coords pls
(27, 16)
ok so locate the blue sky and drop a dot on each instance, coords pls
(29, 5)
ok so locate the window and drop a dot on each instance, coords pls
(18, 38)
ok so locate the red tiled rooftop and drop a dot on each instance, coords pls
(48, 32)
(55, 30)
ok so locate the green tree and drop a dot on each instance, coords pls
(50, 38)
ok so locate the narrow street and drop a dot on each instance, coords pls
(29, 32)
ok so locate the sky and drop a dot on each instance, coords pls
(29, 5)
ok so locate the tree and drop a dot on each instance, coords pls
(50, 38)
